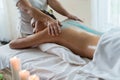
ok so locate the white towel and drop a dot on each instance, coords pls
(63, 52)
(106, 61)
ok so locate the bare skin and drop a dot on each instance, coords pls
(73, 38)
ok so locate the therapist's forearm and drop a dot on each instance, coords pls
(25, 6)
(55, 4)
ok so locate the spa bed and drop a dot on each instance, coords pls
(49, 61)
(47, 65)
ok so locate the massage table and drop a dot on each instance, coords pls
(50, 61)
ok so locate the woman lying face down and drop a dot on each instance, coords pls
(77, 40)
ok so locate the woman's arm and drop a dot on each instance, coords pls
(28, 41)
(60, 9)
(54, 4)
(25, 5)
(33, 40)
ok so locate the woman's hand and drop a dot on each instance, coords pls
(74, 18)
(54, 26)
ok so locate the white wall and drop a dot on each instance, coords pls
(80, 8)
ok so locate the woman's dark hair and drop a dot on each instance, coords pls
(47, 13)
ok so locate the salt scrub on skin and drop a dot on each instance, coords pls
(15, 67)
(33, 77)
(24, 75)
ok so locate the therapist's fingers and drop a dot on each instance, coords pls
(59, 25)
(70, 16)
(49, 30)
(79, 20)
(52, 31)
(57, 29)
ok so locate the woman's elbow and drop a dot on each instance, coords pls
(12, 45)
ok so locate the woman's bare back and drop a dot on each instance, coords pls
(77, 40)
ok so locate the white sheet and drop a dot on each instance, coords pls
(62, 52)
(54, 63)
(106, 62)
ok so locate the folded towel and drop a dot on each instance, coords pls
(63, 52)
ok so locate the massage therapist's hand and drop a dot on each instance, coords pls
(54, 27)
(74, 18)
